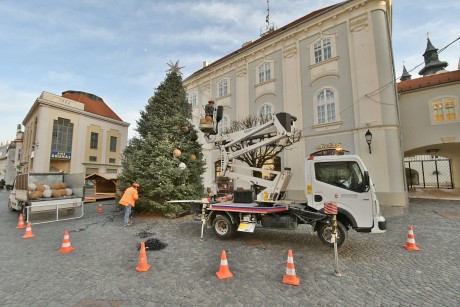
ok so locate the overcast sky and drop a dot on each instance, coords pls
(119, 49)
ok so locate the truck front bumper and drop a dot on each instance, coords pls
(380, 224)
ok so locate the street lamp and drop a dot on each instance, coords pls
(368, 137)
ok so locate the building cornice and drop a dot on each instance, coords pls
(284, 34)
(39, 102)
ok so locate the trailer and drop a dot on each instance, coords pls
(48, 197)
(340, 179)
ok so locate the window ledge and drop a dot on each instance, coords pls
(328, 126)
(265, 82)
(444, 122)
(223, 97)
(336, 58)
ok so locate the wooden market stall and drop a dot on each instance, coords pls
(105, 186)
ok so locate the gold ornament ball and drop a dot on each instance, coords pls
(177, 153)
(193, 157)
(185, 129)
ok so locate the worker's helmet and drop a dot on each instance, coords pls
(136, 185)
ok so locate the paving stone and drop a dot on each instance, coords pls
(376, 269)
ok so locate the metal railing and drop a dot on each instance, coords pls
(47, 212)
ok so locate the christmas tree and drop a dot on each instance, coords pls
(165, 158)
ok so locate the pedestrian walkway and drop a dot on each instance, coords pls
(376, 269)
(421, 193)
(430, 193)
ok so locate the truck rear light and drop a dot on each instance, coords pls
(310, 158)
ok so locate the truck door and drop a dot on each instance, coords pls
(342, 181)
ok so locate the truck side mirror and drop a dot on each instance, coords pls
(366, 182)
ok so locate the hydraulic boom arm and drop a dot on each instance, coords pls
(278, 130)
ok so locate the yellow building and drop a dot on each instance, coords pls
(73, 133)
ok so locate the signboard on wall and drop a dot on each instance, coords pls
(62, 155)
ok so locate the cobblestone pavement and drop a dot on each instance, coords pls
(376, 269)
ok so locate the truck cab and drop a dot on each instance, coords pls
(345, 180)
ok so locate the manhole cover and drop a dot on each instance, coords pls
(98, 303)
(253, 242)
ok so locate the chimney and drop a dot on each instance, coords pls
(205, 64)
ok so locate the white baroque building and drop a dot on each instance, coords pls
(333, 70)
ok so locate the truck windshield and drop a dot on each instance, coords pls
(343, 174)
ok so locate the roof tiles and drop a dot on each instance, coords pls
(428, 81)
(92, 104)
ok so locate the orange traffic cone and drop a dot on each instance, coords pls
(224, 271)
(28, 233)
(143, 266)
(66, 247)
(100, 209)
(410, 245)
(290, 278)
(20, 222)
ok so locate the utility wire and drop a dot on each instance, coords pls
(373, 92)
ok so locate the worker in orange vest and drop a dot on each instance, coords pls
(129, 200)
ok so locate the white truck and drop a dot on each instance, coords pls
(342, 179)
(61, 206)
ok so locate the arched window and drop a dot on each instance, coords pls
(326, 106)
(266, 111)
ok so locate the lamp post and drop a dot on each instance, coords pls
(368, 137)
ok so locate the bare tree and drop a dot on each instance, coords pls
(261, 156)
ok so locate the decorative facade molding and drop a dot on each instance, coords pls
(241, 71)
(206, 87)
(358, 23)
(290, 50)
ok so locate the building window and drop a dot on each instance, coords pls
(266, 111)
(92, 159)
(112, 160)
(444, 110)
(113, 143)
(90, 171)
(111, 171)
(264, 72)
(224, 124)
(322, 50)
(62, 135)
(325, 106)
(223, 89)
(93, 141)
(192, 99)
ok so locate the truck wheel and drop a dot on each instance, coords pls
(325, 234)
(223, 227)
(10, 206)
